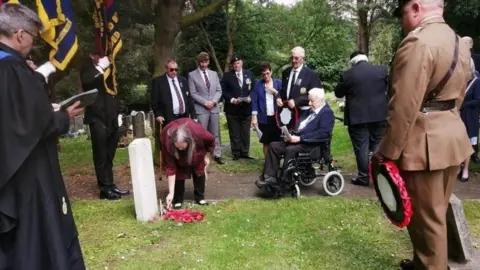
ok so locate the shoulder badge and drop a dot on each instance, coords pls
(64, 206)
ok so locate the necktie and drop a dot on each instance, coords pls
(181, 109)
(309, 118)
(240, 83)
(207, 82)
(292, 82)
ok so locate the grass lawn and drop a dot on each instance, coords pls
(309, 233)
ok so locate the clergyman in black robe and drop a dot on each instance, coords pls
(37, 229)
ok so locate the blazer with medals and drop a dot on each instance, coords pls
(161, 98)
(306, 80)
(413, 138)
(231, 89)
(200, 93)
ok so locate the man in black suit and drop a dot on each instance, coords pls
(236, 87)
(102, 119)
(297, 81)
(170, 98)
(364, 87)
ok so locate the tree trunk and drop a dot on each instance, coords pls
(230, 30)
(169, 22)
(168, 14)
(212, 52)
(363, 34)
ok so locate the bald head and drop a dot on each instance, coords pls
(414, 12)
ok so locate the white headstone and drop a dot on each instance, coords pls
(143, 179)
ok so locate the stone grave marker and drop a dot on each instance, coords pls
(143, 179)
(461, 253)
(139, 124)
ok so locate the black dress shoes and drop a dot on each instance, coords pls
(109, 195)
(360, 182)
(246, 157)
(120, 192)
(219, 160)
(406, 265)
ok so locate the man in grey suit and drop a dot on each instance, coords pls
(206, 91)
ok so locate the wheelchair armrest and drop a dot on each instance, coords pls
(317, 141)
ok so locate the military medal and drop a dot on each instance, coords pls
(303, 90)
(249, 83)
(64, 206)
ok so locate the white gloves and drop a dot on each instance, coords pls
(55, 106)
(46, 69)
(103, 62)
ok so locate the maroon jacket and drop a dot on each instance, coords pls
(205, 142)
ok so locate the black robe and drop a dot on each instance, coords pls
(37, 229)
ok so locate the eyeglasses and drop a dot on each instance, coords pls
(35, 38)
(174, 69)
(296, 58)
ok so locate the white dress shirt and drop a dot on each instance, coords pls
(290, 78)
(175, 101)
(203, 75)
(238, 75)
(269, 99)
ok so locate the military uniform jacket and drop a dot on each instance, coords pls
(434, 140)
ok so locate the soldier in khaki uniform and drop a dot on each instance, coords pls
(425, 134)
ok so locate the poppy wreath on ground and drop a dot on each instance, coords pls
(293, 121)
(185, 216)
(389, 174)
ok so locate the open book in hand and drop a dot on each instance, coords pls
(285, 133)
(85, 98)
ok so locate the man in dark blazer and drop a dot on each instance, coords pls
(297, 81)
(364, 87)
(314, 124)
(170, 99)
(236, 87)
(102, 119)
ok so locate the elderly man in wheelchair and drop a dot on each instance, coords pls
(304, 151)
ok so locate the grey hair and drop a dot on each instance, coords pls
(181, 134)
(14, 17)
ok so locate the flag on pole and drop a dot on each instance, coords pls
(59, 30)
(107, 38)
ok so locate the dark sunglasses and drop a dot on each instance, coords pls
(174, 69)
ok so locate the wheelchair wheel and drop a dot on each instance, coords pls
(333, 183)
(306, 182)
(296, 191)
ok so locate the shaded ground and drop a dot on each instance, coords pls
(222, 186)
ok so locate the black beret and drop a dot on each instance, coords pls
(235, 58)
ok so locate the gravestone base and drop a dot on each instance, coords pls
(473, 264)
(461, 252)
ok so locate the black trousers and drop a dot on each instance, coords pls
(198, 189)
(239, 131)
(365, 139)
(104, 146)
(275, 152)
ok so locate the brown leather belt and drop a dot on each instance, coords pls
(437, 105)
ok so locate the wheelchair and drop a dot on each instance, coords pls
(305, 169)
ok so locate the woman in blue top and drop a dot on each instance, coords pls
(470, 112)
(263, 98)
